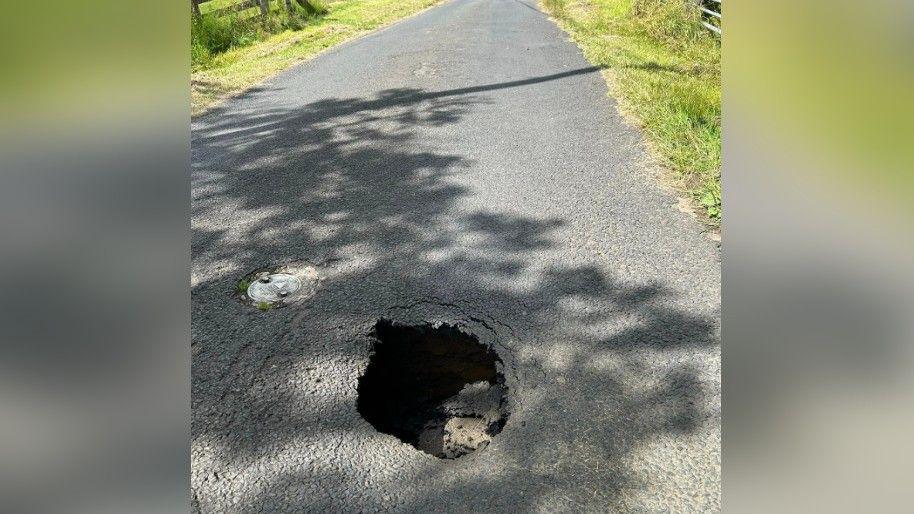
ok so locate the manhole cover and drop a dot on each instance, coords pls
(273, 287)
(436, 388)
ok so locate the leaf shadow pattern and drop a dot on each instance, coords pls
(369, 190)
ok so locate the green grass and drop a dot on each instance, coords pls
(232, 54)
(664, 67)
(211, 35)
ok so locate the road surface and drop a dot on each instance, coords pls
(462, 166)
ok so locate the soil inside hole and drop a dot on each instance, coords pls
(436, 388)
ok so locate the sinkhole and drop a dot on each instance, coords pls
(436, 388)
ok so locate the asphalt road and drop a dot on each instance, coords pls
(462, 166)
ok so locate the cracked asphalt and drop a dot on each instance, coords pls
(464, 166)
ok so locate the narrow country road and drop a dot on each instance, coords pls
(463, 166)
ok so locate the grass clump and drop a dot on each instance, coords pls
(312, 7)
(664, 67)
(264, 306)
(242, 286)
(210, 35)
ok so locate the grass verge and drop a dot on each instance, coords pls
(664, 68)
(247, 54)
(211, 35)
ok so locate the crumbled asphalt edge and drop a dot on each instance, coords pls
(470, 320)
(488, 331)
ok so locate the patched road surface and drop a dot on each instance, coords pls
(462, 167)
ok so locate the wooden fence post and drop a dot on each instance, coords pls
(264, 7)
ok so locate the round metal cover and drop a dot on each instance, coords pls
(273, 287)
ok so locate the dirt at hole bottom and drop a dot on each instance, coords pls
(434, 387)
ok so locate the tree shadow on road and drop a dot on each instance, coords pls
(370, 187)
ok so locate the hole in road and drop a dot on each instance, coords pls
(436, 388)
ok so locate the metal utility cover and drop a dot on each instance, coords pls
(273, 287)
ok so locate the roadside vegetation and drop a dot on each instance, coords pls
(664, 67)
(211, 35)
(232, 53)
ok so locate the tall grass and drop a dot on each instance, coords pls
(665, 67)
(211, 35)
(674, 22)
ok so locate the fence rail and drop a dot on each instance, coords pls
(240, 5)
(711, 19)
